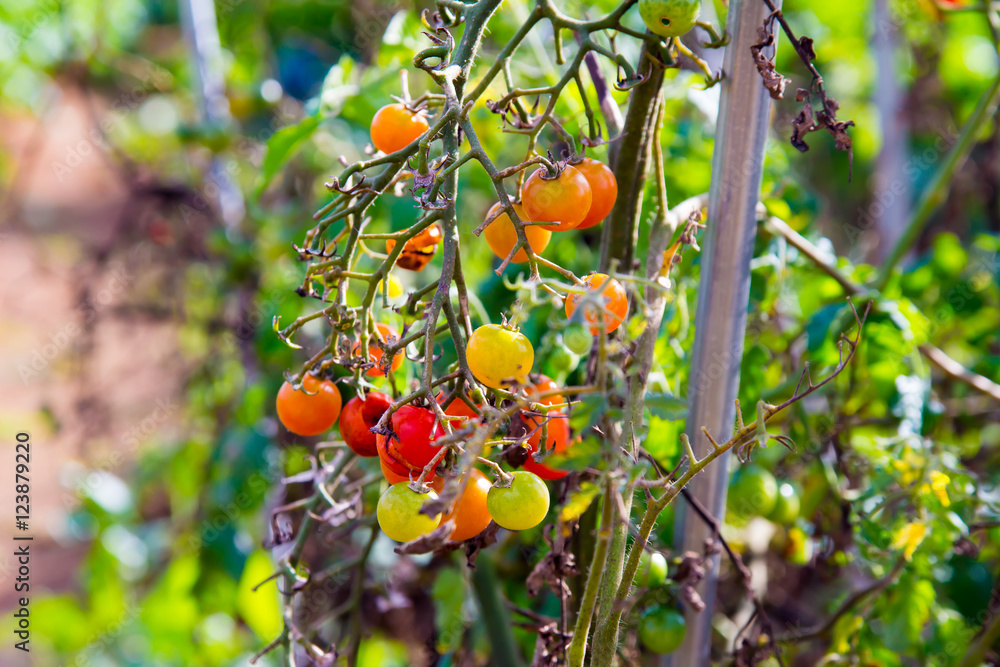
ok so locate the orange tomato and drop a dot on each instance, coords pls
(395, 127)
(564, 199)
(502, 237)
(557, 442)
(615, 303)
(458, 408)
(469, 512)
(419, 250)
(603, 188)
(375, 352)
(309, 412)
(544, 384)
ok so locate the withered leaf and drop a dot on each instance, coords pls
(429, 542)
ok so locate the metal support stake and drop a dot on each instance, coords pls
(720, 325)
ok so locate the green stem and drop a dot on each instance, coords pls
(578, 649)
(937, 190)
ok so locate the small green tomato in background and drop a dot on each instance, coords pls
(520, 506)
(399, 516)
(669, 18)
(753, 491)
(652, 570)
(661, 629)
(578, 339)
(560, 362)
(786, 505)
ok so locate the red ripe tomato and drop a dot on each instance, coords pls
(410, 447)
(394, 478)
(615, 303)
(395, 127)
(309, 412)
(375, 352)
(556, 443)
(564, 199)
(502, 237)
(603, 188)
(419, 250)
(542, 385)
(470, 513)
(358, 418)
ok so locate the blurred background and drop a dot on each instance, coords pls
(151, 191)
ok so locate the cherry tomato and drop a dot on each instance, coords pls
(375, 352)
(470, 513)
(395, 127)
(557, 442)
(544, 384)
(603, 188)
(498, 353)
(753, 491)
(661, 629)
(564, 199)
(395, 478)
(410, 448)
(309, 412)
(358, 418)
(522, 505)
(786, 504)
(399, 516)
(615, 303)
(561, 361)
(669, 18)
(652, 570)
(577, 339)
(502, 237)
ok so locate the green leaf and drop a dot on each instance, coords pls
(259, 609)
(667, 406)
(578, 503)
(281, 147)
(449, 596)
(909, 609)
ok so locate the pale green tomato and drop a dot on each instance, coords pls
(652, 570)
(578, 339)
(521, 506)
(661, 629)
(669, 18)
(399, 516)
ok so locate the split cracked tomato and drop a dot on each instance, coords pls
(410, 447)
(395, 127)
(310, 410)
(357, 419)
(615, 303)
(563, 199)
(418, 252)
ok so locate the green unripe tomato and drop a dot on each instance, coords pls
(798, 547)
(661, 629)
(669, 18)
(652, 570)
(399, 516)
(578, 339)
(786, 505)
(753, 491)
(520, 506)
(562, 360)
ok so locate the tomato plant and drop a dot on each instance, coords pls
(387, 335)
